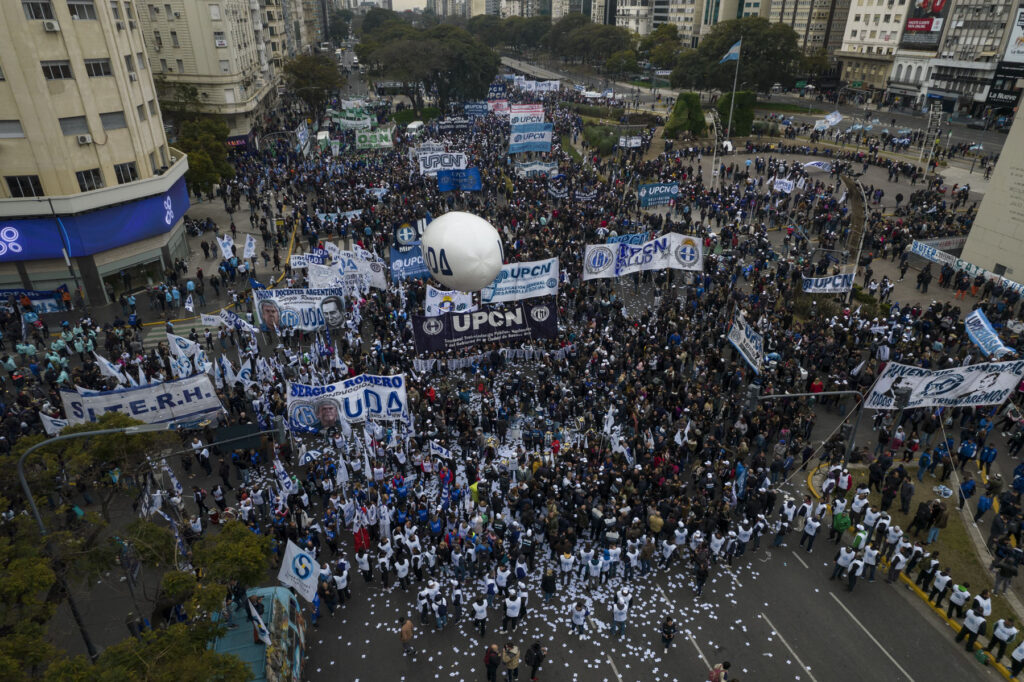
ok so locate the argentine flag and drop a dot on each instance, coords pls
(733, 54)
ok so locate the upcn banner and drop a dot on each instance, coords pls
(672, 250)
(517, 281)
(516, 324)
(923, 27)
(658, 194)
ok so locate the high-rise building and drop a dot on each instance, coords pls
(219, 48)
(873, 31)
(819, 24)
(634, 15)
(90, 187)
(561, 8)
(603, 11)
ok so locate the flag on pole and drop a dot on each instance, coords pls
(299, 571)
(250, 247)
(733, 54)
(189, 304)
(108, 368)
(257, 622)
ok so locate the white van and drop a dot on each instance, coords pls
(414, 128)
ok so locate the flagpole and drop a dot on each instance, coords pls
(732, 102)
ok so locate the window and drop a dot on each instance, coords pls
(74, 125)
(115, 9)
(174, 39)
(126, 172)
(856, 17)
(129, 63)
(152, 107)
(57, 70)
(169, 13)
(11, 129)
(152, 12)
(152, 161)
(180, 64)
(98, 67)
(163, 155)
(2, 77)
(141, 59)
(215, 12)
(163, 65)
(89, 180)
(887, 18)
(37, 9)
(853, 33)
(225, 66)
(24, 186)
(113, 120)
(82, 9)
(128, 11)
(158, 39)
(141, 109)
(219, 40)
(229, 95)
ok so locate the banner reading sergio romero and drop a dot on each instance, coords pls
(367, 396)
(987, 383)
(305, 309)
(672, 250)
(517, 281)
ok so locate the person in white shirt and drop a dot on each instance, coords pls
(1017, 661)
(620, 611)
(513, 605)
(579, 617)
(1002, 634)
(974, 625)
(480, 615)
(871, 561)
(984, 602)
(811, 526)
(843, 560)
(957, 600)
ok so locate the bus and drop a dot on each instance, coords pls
(283, 660)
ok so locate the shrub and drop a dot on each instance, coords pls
(743, 112)
(601, 138)
(687, 116)
(407, 116)
(770, 128)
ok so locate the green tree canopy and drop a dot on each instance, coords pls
(338, 25)
(621, 62)
(235, 553)
(769, 54)
(312, 77)
(556, 38)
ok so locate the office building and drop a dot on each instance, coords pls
(819, 24)
(873, 30)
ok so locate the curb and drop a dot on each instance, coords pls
(999, 667)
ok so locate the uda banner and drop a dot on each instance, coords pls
(305, 309)
(171, 401)
(467, 180)
(531, 137)
(987, 383)
(981, 333)
(408, 264)
(316, 408)
(517, 281)
(433, 162)
(672, 250)
(439, 302)
(749, 343)
(658, 194)
(836, 284)
(523, 322)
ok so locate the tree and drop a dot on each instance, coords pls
(560, 30)
(205, 142)
(488, 28)
(235, 553)
(621, 62)
(376, 18)
(312, 77)
(742, 112)
(815, 64)
(338, 25)
(769, 54)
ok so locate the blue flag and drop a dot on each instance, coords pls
(733, 54)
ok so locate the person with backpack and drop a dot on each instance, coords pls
(533, 657)
(720, 673)
(492, 659)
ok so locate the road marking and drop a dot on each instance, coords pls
(614, 669)
(791, 650)
(799, 559)
(701, 653)
(868, 633)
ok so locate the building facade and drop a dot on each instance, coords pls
(819, 24)
(872, 33)
(634, 15)
(91, 187)
(219, 48)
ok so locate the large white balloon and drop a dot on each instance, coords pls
(462, 251)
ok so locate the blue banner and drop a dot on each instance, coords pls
(981, 333)
(467, 180)
(497, 91)
(833, 284)
(658, 194)
(475, 109)
(42, 301)
(408, 264)
(531, 137)
(635, 239)
(95, 231)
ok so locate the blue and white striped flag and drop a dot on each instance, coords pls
(733, 54)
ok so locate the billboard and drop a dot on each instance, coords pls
(924, 24)
(1015, 45)
(95, 231)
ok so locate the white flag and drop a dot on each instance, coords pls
(250, 247)
(226, 243)
(189, 304)
(299, 571)
(108, 368)
(51, 425)
(261, 628)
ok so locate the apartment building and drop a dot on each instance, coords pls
(872, 33)
(90, 187)
(819, 24)
(220, 48)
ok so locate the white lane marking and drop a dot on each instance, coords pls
(868, 633)
(799, 559)
(701, 653)
(614, 669)
(786, 644)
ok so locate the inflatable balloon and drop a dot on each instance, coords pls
(462, 251)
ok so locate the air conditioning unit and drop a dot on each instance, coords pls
(51, 26)
(177, 15)
(133, 77)
(85, 139)
(220, 43)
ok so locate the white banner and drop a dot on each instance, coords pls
(51, 425)
(548, 86)
(783, 185)
(347, 269)
(226, 243)
(439, 302)
(749, 343)
(936, 256)
(672, 250)
(517, 281)
(987, 383)
(520, 114)
(306, 309)
(630, 142)
(984, 336)
(313, 408)
(157, 403)
(498, 107)
(836, 284)
(299, 570)
(250, 247)
(436, 161)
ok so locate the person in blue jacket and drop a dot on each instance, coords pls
(967, 490)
